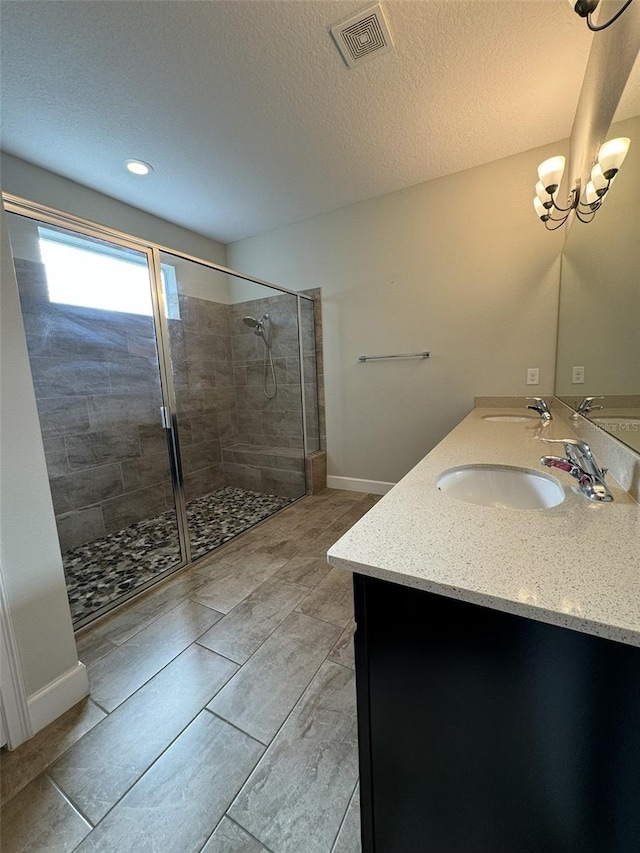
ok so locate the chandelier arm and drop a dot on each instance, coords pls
(584, 218)
(560, 221)
(596, 28)
(586, 209)
(563, 209)
(574, 202)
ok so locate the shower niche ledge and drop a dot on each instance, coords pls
(279, 470)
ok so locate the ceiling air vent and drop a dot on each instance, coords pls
(362, 37)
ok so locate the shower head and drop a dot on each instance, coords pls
(258, 327)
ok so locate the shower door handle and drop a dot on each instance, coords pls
(164, 417)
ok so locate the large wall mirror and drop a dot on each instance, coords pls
(599, 320)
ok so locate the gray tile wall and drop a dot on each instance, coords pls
(200, 347)
(97, 388)
(267, 423)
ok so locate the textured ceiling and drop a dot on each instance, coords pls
(251, 118)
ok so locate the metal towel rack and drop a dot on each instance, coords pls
(400, 355)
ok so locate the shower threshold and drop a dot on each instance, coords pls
(102, 572)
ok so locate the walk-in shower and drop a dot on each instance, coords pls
(262, 328)
(172, 420)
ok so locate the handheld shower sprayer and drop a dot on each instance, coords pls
(262, 328)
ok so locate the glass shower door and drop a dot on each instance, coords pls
(235, 362)
(90, 317)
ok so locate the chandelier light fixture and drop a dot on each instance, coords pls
(610, 158)
(585, 9)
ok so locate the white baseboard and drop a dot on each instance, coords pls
(373, 487)
(58, 696)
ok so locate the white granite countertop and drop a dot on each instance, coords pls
(576, 564)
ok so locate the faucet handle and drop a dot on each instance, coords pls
(540, 406)
(580, 463)
(582, 446)
(586, 405)
(570, 446)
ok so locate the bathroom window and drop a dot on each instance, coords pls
(90, 274)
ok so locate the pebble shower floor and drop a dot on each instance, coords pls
(101, 571)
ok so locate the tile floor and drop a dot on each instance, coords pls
(101, 571)
(222, 710)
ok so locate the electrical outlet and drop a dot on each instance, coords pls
(533, 375)
(577, 375)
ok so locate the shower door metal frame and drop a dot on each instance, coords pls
(152, 251)
(166, 413)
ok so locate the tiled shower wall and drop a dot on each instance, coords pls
(98, 393)
(97, 389)
(200, 347)
(276, 422)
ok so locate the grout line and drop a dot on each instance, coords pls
(237, 728)
(104, 710)
(68, 799)
(337, 663)
(163, 667)
(244, 829)
(236, 663)
(263, 757)
(219, 654)
(153, 763)
(271, 633)
(346, 812)
(325, 621)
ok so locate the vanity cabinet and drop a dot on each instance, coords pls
(486, 732)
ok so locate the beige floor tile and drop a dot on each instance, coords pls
(116, 676)
(296, 798)
(231, 838)
(250, 623)
(230, 583)
(98, 771)
(343, 651)
(159, 771)
(348, 840)
(39, 819)
(332, 599)
(23, 764)
(178, 802)
(304, 570)
(260, 696)
(129, 620)
(91, 647)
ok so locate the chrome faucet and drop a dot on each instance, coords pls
(540, 406)
(587, 406)
(580, 462)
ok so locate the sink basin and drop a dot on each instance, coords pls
(501, 486)
(509, 418)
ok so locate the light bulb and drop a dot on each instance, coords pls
(540, 209)
(138, 167)
(542, 194)
(598, 179)
(612, 154)
(550, 173)
(591, 193)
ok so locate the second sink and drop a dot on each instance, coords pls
(501, 486)
(509, 418)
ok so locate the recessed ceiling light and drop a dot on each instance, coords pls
(138, 167)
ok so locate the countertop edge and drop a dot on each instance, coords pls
(356, 553)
